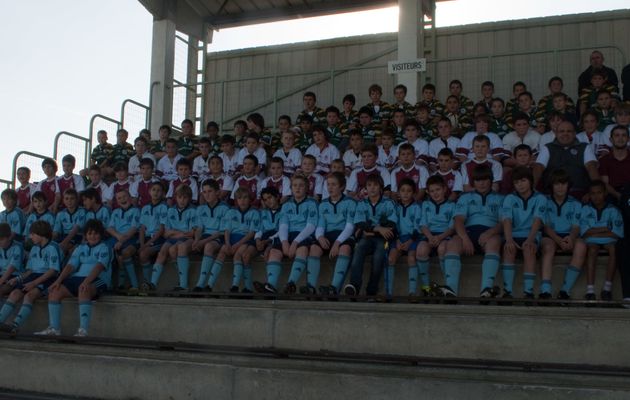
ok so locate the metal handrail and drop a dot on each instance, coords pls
(72, 135)
(15, 161)
(91, 135)
(8, 183)
(130, 101)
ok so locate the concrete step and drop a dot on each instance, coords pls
(469, 280)
(518, 333)
(127, 373)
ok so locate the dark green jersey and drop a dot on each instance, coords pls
(405, 106)
(428, 130)
(436, 108)
(122, 153)
(186, 145)
(158, 147)
(545, 107)
(380, 113)
(605, 118)
(499, 126)
(318, 114)
(304, 140)
(102, 154)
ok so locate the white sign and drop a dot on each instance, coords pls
(396, 67)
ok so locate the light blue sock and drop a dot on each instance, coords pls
(423, 270)
(183, 264)
(441, 261)
(452, 269)
(131, 272)
(157, 273)
(545, 286)
(528, 282)
(571, 275)
(412, 274)
(489, 269)
(389, 279)
(341, 268)
(122, 276)
(147, 269)
(215, 272)
(274, 268)
(312, 271)
(206, 265)
(248, 282)
(296, 269)
(6, 310)
(237, 275)
(23, 314)
(54, 314)
(85, 314)
(509, 270)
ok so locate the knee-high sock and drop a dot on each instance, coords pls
(206, 265)
(54, 314)
(341, 268)
(509, 270)
(130, 268)
(452, 269)
(147, 269)
(423, 270)
(489, 269)
(156, 274)
(183, 264)
(412, 277)
(312, 271)
(296, 269)
(528, 282)
(214, 272)
(248, 283)
(274, 268)
(237, 275)
(570, 276)
(85, 314)
(390, 272)
(6, 310)
(23, 314)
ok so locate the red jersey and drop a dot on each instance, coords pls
(24, 195)
(50, 188)
(251, 184)
(118, 187)
(65, 183)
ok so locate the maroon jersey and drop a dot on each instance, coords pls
(118, 187)
(449, 179)
(24, 196)
(251, 184)
(400, 174)
(50, 189)
(277, 185)
(362, 176)
(144, 197)
(65, 183)
(470, 167)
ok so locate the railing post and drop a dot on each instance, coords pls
(221, 106)
(275, 101)
(332, 85)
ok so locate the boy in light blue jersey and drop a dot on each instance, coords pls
(241, 224)
(40, 212)
(179, 233)
(151, 232)
(268, 236)
(210, 234)
(44, 263)
(561, 232)
(436, 226)
(334, 234)
(522, 215)
(123, 230)
(601, 228)
(69, 222)
(298, 220)
(375, 222)
(409, 215)
(11, 258)
(87, 274)
(12, 214)
(94, 208)
(478, 227)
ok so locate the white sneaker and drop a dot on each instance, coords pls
(626, 302)
(81, 333)
(50, 331)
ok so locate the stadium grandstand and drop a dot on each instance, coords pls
(431, 213)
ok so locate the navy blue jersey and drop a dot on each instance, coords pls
(478, 209)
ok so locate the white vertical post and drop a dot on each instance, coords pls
(162, 69)
(410, 44)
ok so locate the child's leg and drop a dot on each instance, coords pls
(217, 266)
(209, 250)
(9, 305)
(452, 263)
(158, 267)
(573, 270)
(127, 261)
(422, 264)
(237, 273)
(299, 265)
(490, 263)
(591, 257)
(145, 256)
(392, 259)
(508, 269)
(549, 248)
(378, 262)
(183, 262)
(529, 268)
(85, 308)
(313, 265)
(54, 306)
(248, 256)
(27, 307)
(341, 267)
(363, 248)
(274, 267)
(611, 266)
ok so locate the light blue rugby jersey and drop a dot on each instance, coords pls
(46, 216)
(384, 210)
(409, 218)
(13, 256)
(438, 218)
(335, 216)
(210, 219)
(15, 218)
(152, 216)
(478, 209)
(297, 215)
(65, 220)
(41, 259)
(522, 212)
(242, 222)
(608, 217)
(123, 221)
(269, 221)
(181, 220)
(103, 214)
(561, 218)
(85, 257)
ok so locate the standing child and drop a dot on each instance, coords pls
(436, 226)
(43, 265)
(151, 232)
(69, 222)
(459, 117)
(183, 178)
(25, 190)
(49, 185)
(87, 275)
(420, 145)
(370, 133)
(210, 234)
(436, 108)
(602, 227)
(12, 214)
(291, 156)
(522, 215)
(482, 123)
(498, 120)
(11, 259)
(379, 110)
(336, 166)
(123, 230)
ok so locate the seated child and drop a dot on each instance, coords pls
(387, 151)
(151, 232)
(123, 230)
(167, 166)
(69, 179)
(481, 146)
(69, 222)
(139, 189)
(323, 151)
(50, 186)
(12, 214)
(135, 161)
(408, 169)
(40, 212)
(315, 181)
(453, 178)
(268, 236)
(352, 156)
(276, 179)
(356, 187)
(224, 180)
(25, 190)
(248, 180)
(122, 183)
(183, 178)
(11, 259)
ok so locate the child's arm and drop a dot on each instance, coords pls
(7, 274)
(65, 272)
(141, 237)
(114, 233)
(533, 231)
(96, 271)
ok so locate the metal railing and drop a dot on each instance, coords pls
(124, 110)
(85, 142)
(95, 118)
(16, 158)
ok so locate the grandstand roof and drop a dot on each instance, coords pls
(220, 14)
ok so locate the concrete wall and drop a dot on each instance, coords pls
(603, 30)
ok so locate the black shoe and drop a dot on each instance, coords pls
(528, 295)
(606, 295)
(544, 296)
(562, 295)
(487, 293)
(590, 297)
(259, 287)
(349, 290)
(247, 291)
(506, 295)
(179, 289)
(198, 289)
(290, 288)
(308, 289)
(269, 288)
(7, 328)
(234, 289)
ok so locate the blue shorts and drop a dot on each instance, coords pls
(600, 241)
(73, 283)
(521, 240)
(75, 240)
(292, 235)
(235, 237)
(412, 247)
(332, 237)
(111, 242)
(220, 239)
(176, 241)
(434, 249)
(157, 245)
(42, 286)
(474, 231)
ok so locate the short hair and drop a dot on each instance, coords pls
(408, 182)
(599, 72)
(597, 183)
(488, 83)
(400, 86)
(349, 97)
(306, 118)
(355, 132)
(276, 160)
(559, 175)
(228, 139)
(622, 128)
(252, 158)
(389, 132)
(482, 172)
(184, 190)
(482, 138)
(522, 172)
(555, 79)
(320, 129)
(407, 147)
(623, 109)
(257, 119)
(455, 82)
(5, 231)
(444, 119)
(69, 158)
(446, 152)
(587, 113)
(375, 88)
(310, 94)
(366, 110)
(96, 168)
(41, 228)
(285, 118)
(411, 122)
(436, 180)
(11, 194)
(187, 121)
(500, 100)
(171, 141)
(559, 95)
(120, 166)
(147, 161)
(215, 157)
(205, 140)
(556, 114)
(166, 128)
(526, 93)
(482, 118)
(429, 86)
(523, 147)
(309, 157)
(519, 83)
(240, 123)
(91, 193)
(183, 162)
(253, 135)
(41, 196)
(301, 177)
(332, 109)
(270, 190)
(212, 124)
(375, 178)
(452, 96)
(340, 177)
(212, 184)
(421, 107)
(123, 131)
(520, 116)
(71, 192)
(51, 162)
(24, 169)
(96, 226)
(370, 148)
(140, 139)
